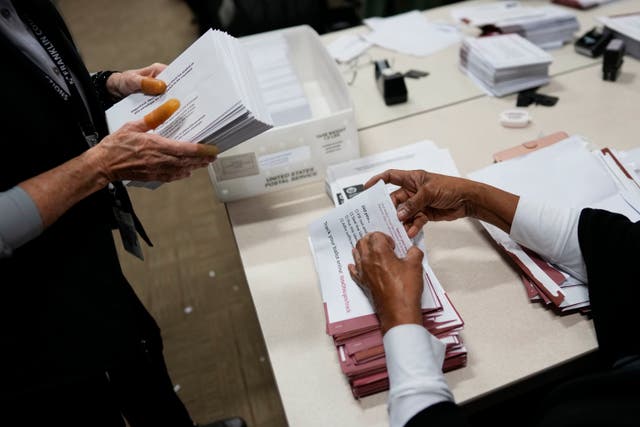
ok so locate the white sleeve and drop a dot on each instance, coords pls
(414, 362)
(552, 232)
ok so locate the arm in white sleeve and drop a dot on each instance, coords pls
(19, 220)
(414, 362)
(552, 232)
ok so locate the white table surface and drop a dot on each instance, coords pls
(508, 338)
(447, 85)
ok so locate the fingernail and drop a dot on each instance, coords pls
(402, 212)
(208, 150)
(151, 86)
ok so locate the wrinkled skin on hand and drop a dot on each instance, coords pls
(425, 196)
(393, 284)
(142, 80)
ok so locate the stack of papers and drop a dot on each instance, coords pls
(545, 26)
(350, 318)
(627, 28)
(631, 161)
(221, 102)
(566, 174)
(504, 64)
(581, 4)
(278, 81)
(411, 33)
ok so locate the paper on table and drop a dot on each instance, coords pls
(565, 174)
(508, 51)
(483, 14)
(629, 25)
(546, 26)
(504, 64)
(411, 33)
(582, 4)
(627, 28)
(553, 27)
(346, 180)
(347, 47)
(631, 159)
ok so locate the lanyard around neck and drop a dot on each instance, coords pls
(71, 95)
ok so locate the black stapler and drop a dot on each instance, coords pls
(593, 42)
(612, 60)
(390, 83)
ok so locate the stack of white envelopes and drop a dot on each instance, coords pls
(280, 86)
(504, 64)
(546, 26)
(220, 100)
(627, 28)
(550, 27)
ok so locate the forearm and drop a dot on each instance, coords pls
(58, 189)
(491, 205)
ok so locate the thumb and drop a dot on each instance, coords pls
(414, 255)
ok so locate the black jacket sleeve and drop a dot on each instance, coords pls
(440, 414)
(99, 81)
(610, 245)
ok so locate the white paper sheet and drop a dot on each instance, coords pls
(348, 47)
(483, 14)
(411, 33)
(629, 25)
(346, 180)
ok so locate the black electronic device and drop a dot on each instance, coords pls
(530, 96)
(593, 42)
(390, 83)
(416, 74)
(612, 60)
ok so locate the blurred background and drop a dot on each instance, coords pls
(243, 17)
(192, 280)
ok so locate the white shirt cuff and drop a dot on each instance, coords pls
(414, 362)
(551, 232)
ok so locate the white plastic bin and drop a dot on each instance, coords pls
(298, 152)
